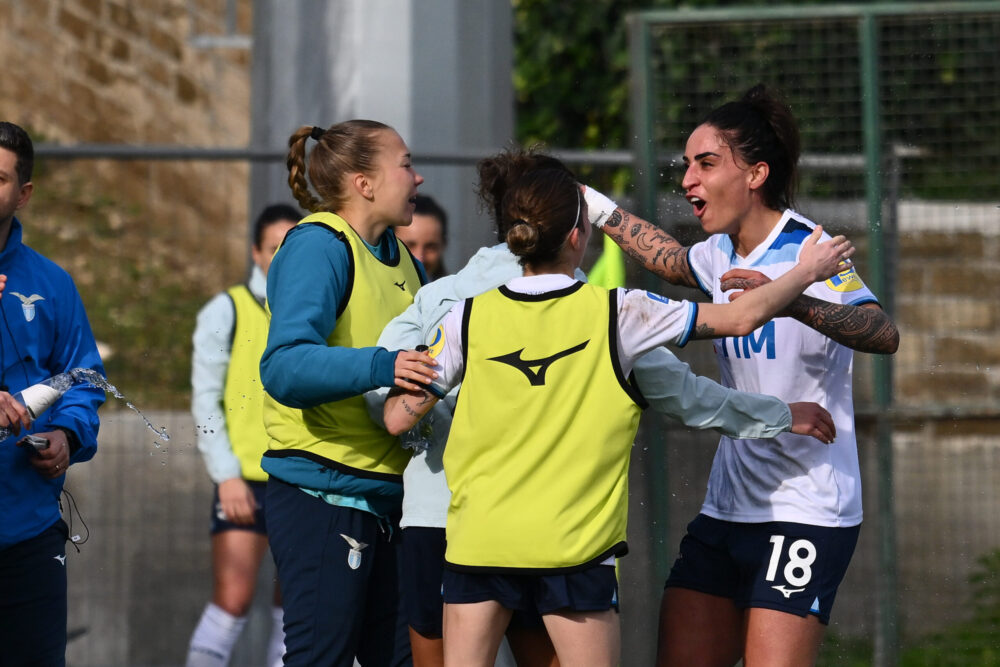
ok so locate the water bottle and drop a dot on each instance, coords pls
(39, 397)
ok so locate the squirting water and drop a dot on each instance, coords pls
(90, 376)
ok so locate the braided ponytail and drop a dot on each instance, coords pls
(344, 148)
(296, 163)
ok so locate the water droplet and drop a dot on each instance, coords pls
(91, 376)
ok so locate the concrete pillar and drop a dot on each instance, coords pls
(439, 71)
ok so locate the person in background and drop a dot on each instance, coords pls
(760, 566)
(227, 402)
(427, 236)
(335, 485)
(45, 332)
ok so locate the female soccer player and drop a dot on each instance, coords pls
(335, 485)
(538, 451)
(227, 402)
(760, 565)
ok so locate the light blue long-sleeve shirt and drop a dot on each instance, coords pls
(212, 349)
(667, 383)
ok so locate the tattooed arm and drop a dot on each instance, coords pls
(407, 403)
(817, 261)
(403, 409)
(865, 328)
(657, 251)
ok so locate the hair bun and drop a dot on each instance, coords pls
(522, 237)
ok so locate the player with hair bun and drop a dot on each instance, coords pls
(759, 568)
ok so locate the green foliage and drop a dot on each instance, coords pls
(941, 94)
(975, 643)
(938, 82)
(840, 651)
(985, 581)
(571, 74)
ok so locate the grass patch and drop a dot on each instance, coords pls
(142, 283)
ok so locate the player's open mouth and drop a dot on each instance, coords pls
(698, 203)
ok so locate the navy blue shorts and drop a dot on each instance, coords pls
(33, 600)
(790, 567)
(593, 589)
(259, 525)
(423, 569)
(422, 565)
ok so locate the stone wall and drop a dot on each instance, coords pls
(949, 305)
(125, 72)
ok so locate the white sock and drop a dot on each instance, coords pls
(214, 638)
(276, 646)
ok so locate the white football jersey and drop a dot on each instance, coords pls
(790, 477)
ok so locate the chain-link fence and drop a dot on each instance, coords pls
(899, 109)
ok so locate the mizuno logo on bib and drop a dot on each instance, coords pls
(529, 366)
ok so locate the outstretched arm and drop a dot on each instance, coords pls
(812, 419)
(817, 262)
(657, 251)
(865, 328)
(671, 388)
(409, 401)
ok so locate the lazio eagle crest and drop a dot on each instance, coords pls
(28, 304)
(354, 555)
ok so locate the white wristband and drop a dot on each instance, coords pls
(599, 207)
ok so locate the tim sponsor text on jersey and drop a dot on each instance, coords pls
(758, 342)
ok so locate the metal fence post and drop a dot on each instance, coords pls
(646, 156)
(886, 623)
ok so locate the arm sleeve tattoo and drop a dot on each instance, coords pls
(657, 251)
(862, 328)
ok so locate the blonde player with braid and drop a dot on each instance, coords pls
(335, 486)
(537, 456)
